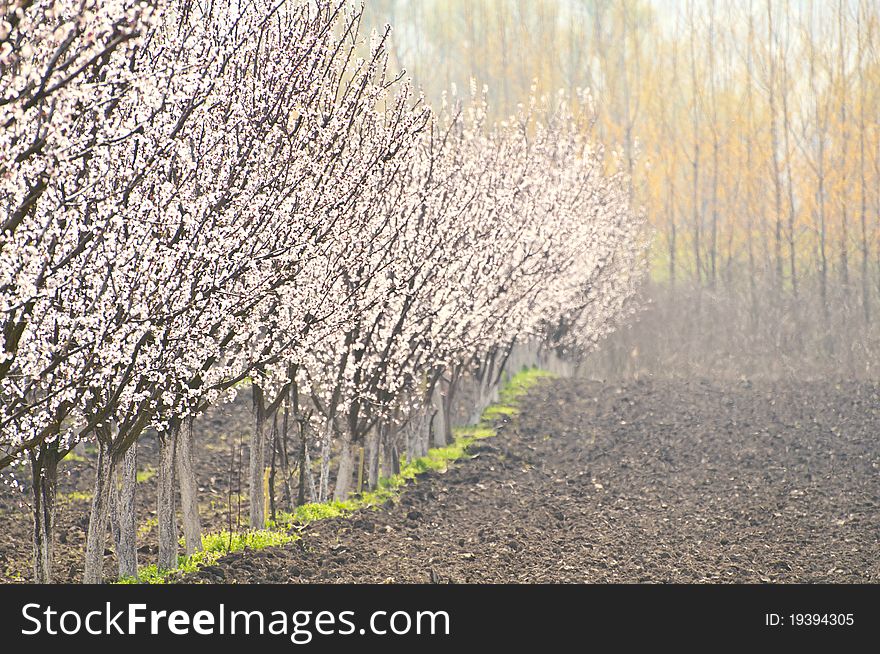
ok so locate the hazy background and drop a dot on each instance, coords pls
(751, 131)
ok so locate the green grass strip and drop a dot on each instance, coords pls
(284, 529)
(215, 545)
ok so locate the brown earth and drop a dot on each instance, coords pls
(648, 481)
(653, 481)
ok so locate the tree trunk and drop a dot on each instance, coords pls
(440, 416)
(273, 470)
(672, 245)
(97, 534)
(189, 496)
(324, 484)
(373, 443)
(438, 420)
(284, 460)
(843, 162)
(425, 433)
(483, 384)
(257, 462)
(303, 466)
(346, 467)
(448, 404)
(390, 456)
(165, 511)
(44, 466)
(125, 516)
(361, 466)
(306, 476)
(695, 161)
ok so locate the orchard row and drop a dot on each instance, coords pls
(200, 196)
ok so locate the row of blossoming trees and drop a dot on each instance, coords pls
(197, 194)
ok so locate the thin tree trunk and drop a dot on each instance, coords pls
(863, 190)
(189, 496)
(749, 207)
(695, 162)
(440, 426)
(374, 439)
(415, 433)
(345, 469)
(307, 471)
(716, 146)
(166, 513)
(425, 433)
(390, 455)
(792, 258)
(273, 469)
(303, 465)
(97, 533)
(774, 154)
(823, 255)
(257, 462)
(484, 385)
(449, 395)
(324, 483)
(44, 466)
(672, 234)
(844, 142)
(126, 515)
(284, 460)
(819, 119)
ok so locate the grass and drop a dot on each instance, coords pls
(519, 385)
(146, 474)
(73, 457)
(388, 489)
(145, 529)
(77, 496)
(500, 411)
(14, 575)
(281, 531)
(214, 546)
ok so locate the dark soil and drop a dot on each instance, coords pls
(650, 481)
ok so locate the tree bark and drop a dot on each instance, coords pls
(390, 456)
(303, 466)
(483, 384)
(441, 421)
(344, 472)
(189, 496)
(125, 515)
(257, 462)
(273, 470)
(324, 483)
(306, 476)
(284, 460)
(97, 533)
(449, 402)
(44, 466)
(424, 434)
(372, 454)
(165, 511)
